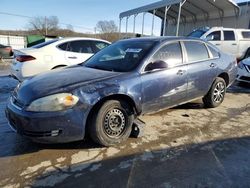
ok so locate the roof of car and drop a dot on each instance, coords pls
(163, 39)
(81, 38)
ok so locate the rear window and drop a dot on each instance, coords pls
(196, 51)
(214, 52)
(246, 34)
(45, 43)
(229, 35)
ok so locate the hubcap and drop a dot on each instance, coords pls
(114, 123)
(219, 92)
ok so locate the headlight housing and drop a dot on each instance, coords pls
(52, 103)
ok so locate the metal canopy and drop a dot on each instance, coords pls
(185, 11)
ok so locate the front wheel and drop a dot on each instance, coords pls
(112, 123)
(216, 94)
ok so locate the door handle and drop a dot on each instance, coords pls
(234, 44)
(212, 65)
(72, 57)
(217, 44)
(180, 72)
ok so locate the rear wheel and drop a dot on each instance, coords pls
(216, 94)
(112, 123)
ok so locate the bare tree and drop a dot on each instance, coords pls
(43, 25)
(108, 30)
(106, 26)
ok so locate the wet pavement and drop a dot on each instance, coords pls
(188, 146)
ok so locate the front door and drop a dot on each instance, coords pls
(165, 87)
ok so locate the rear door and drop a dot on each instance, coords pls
(230, 42)
(201, 68)
(166, 87)
(78, 51)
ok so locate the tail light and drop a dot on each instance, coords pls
(23, 58)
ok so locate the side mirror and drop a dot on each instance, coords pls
(156, 65)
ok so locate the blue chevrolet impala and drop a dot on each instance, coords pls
(103, 96)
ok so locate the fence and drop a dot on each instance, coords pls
(16, 42)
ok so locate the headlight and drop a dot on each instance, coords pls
(53, 103)
(241, 65)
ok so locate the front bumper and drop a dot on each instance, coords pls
(47, 127)
(243, 75)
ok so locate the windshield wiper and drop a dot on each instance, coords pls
(100, 68)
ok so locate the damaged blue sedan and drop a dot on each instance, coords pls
(103, 96)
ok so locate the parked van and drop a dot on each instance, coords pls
(233, 41)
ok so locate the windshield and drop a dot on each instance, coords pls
(122, 56)
(197, 33)
(44, 43)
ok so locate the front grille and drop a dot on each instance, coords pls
(247, 67)
(245, 78)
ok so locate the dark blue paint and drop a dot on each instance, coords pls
(149, 91)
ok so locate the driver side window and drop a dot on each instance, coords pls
(214, 36)
(170, 53)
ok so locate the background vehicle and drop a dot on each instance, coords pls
(127, 79)
(53, 54)
(5, 51)
(244, 71)
(233, 41)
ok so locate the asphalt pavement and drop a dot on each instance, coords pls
(188, 146)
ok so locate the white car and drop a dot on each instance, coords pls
(53, 54)
(229, 40)
(244, 71)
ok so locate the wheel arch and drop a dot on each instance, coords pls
(58, 66)
(225, 77)
(118, 97)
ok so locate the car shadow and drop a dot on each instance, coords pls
(219, 163)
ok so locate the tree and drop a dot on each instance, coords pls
(108, 30)
(43, 24)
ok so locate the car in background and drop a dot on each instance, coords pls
(53, 54)
(244, 71)
(5, 51)
(229, 40)
(103, 96)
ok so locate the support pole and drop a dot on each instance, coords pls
(134, 23)
(120, 27)
(179, 17)
(178, 21)
(153, 22)
(127, 25)
(165, 19)
(143, 18)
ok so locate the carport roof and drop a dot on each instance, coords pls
(201, 9)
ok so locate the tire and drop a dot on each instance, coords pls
(216, 94)
(112, 123)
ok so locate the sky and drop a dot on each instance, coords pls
(83, 15)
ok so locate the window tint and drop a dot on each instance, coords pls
(63, 46)
(229, 35)
(214, 52)
(196, 51)
(246, 34)
(97, 45)
(214, 36)
(80, 46)
(171, 54)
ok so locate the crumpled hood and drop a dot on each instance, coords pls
(58, 81)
